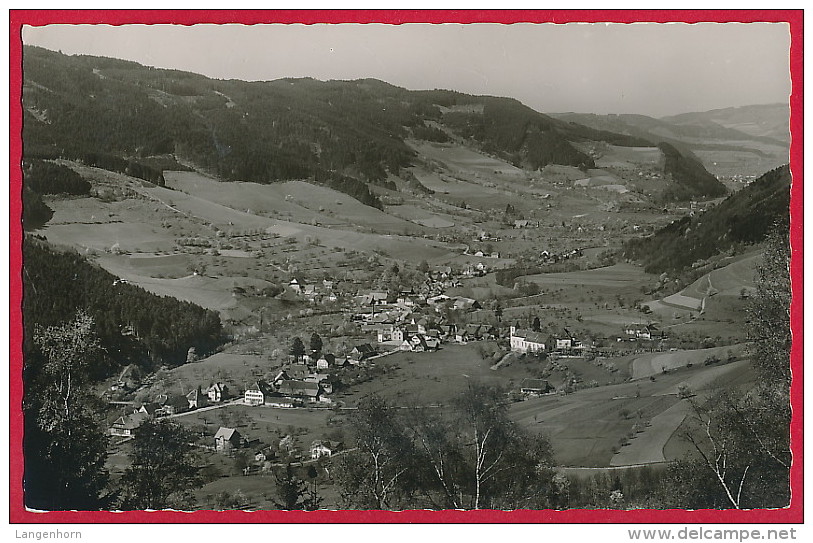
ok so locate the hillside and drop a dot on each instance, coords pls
(741, 219)
(747, 140)
(767, 121)
(139, 120)
(690, 178)
(133, 325)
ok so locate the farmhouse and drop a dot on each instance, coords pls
(390, 332)
(534, 387)
(176, 403)
(323, 448)
(524, 341)
(297, 371)
(568, 342)
(649, 331)
(151, 409)
(300, 390)
(227, 439)
(125, 426)
(363, 351)
(195, 399)
(466, 304)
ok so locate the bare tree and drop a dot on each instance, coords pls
(719, 455)
(373, 476)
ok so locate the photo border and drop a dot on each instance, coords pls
(18, 18)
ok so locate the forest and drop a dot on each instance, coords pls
(49, 178)
(741, 220)
(134, 326)
(691, 178)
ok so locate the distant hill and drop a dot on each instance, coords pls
(739, 141)
(768, 123)
(127, 117)
(764, 121)
(741, 219)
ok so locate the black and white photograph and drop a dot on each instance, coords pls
(377, 267)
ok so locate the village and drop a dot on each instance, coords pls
(423, 319)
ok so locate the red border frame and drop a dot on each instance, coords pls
(18, 18)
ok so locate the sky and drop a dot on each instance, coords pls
(647, 68)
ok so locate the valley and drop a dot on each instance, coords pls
(429, 248)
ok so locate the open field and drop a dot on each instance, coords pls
(677, 447)
(615, 277)
(422, 216)
(740, 157)
(728, 280)
(148, 265)
(703, 294)
(647, 447)
(127, 237)
(216, 293)
(296, 201)
(601, 179)
(656, 363)
(203, 218)
(682, 301)
(614, 156)
(587, 428)
(436, 377)
(457, 157)
(443, 184)
(227, 219)
(266, 424)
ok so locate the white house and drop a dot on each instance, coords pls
(322, 448)
(564, 343)
(254, 396)
(326, 361)
(525, 341)
(216, 392)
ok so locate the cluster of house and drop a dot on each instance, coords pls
(648, 332)
(525, 223)
(438, 279)
(427, 334)
(415, 321)
(227, 440)
(549, 257)
(167, 405)
(475, 270)
(480, 253)
(314, 292)
(294, 386)
(307, 381)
